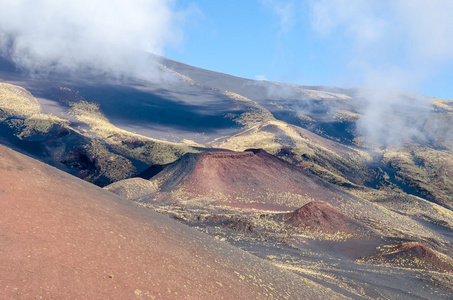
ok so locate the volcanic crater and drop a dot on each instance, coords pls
(251, 179)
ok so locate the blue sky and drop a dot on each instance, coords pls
(397, 44)
(249, 39)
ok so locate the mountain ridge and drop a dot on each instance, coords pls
(185, 129)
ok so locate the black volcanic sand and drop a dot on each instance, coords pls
(186, 111)
(61, 237)
(169, 109)
(289, 97)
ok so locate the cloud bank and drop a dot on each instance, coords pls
(391, 45)
(286, 12)
(393, 38)
(104, 35)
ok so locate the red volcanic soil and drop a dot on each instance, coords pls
(413, 255)
(321, 216)
(250, 179)
(63, 238)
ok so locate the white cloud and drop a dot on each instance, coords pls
(393, 45)
(105, 34)
(428, 25)
(362, 19)
(420, 31)
(285, 10)
(260, 77)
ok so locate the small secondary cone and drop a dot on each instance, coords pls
(413, 255)
(321, 216)
(132, 188)
(251, 179)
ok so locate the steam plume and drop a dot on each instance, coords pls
(107, 35)
(394, 45)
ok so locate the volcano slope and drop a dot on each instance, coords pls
(104, 129)
(249, 179)
(257, 180)
(244, 198)
(61, 237)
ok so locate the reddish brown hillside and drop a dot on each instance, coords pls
(255, 179)
(321, 216)
(252, 179)
(63, 238)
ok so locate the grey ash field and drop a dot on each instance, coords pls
(280, 193)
